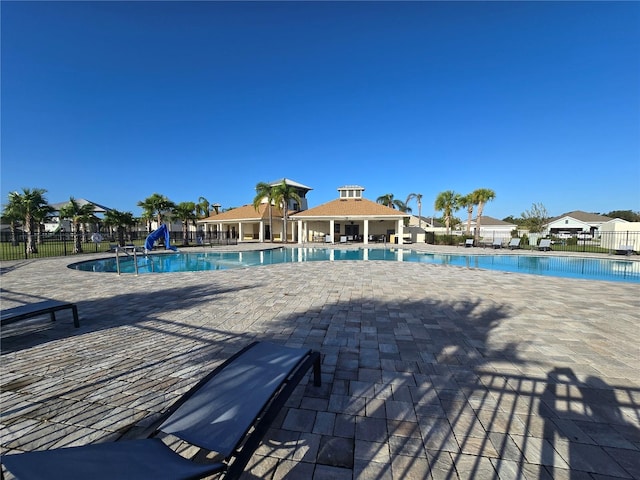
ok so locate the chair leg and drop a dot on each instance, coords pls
(76, 321)
(317, 381)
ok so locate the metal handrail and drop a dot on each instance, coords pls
(135, 258)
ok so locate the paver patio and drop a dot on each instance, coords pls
(429, 371)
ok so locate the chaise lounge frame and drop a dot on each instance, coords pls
(50, 307)
(206, 417)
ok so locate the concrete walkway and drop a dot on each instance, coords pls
(429, 371)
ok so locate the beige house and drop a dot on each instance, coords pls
(247, 223)
(350, 218)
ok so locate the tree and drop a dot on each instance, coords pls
(447, 202)
(628, 215)
(388, 201)
(11, 214)
(514, 220)
(203, 207)
(468, 202)
(264, 191)
(481, 197)
(418, 197)
(536, 218)
(156, 206)
(282, 195)
(120, 221)
(39, 217)
(28, 206)
(79, 215)
(185, 212)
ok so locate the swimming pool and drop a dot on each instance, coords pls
(572, 267)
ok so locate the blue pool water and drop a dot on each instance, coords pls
(573, 267)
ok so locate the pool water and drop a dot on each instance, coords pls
(572, 267)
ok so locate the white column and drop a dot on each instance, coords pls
(331, 226)
(300, 231)
(261, 232)
(240, 230)
(400, 231)
(366, 231)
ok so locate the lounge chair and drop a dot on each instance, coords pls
(624, 250)
(468, 242)
(545, 245)
(497, 243)
(227, 412)
(30, 310)
(514, 243)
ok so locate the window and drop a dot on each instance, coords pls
(336, 228)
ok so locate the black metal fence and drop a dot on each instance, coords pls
(606, 242)
(64, 243)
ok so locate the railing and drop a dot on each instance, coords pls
(133, 255)
(604, 242)
(64, 243)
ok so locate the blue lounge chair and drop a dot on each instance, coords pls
(227, 412)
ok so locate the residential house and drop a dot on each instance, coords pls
(54, 223)
(576, 222)
(491, 228)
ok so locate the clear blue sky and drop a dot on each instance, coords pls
(113, 101)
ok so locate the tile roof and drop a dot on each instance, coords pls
(351, 207)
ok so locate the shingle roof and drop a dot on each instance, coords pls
(583, 217)
(351, 207)
(288, 181)
(81, 202)
(245, 212)
(486, 221)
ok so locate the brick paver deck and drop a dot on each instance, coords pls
(429, 371)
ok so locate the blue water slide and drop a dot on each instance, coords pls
(156, 235)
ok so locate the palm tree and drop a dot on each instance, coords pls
(418, 197)
(388, 201)
(11, 214)
(468, 202)
(482, 196)
(27, 206)
(186, 212)
(448, 202)
(203, 207)
(282, 195)
(79, 215)
(265, 191)
(156, 206)
(39, 217)
(119, 220)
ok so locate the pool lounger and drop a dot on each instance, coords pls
(227, 412)
(31, 310)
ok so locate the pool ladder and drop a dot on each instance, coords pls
(127, 254)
